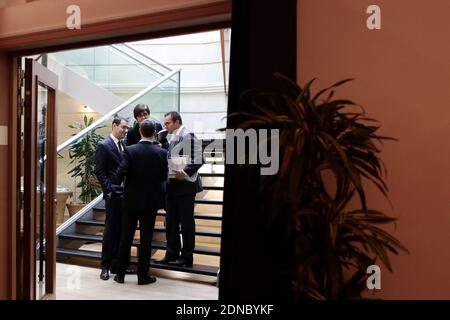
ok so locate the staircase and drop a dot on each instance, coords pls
(146, 81)
(82, 238)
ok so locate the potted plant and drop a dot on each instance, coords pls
(82, 155)
(329, 152)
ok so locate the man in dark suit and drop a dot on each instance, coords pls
(181, 189)
(141, 112)
(144, 168)
(107, 160)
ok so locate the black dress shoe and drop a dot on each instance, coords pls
(104, 275)
(128, 271)
(146, 279)
(165, 260)
(181, 263)
(119, 278)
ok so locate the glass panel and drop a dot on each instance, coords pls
(117, 68)
(76, 162)
(41, 187)
(130, 50)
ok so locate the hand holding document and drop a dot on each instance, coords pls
(180, 175)
(176, 164)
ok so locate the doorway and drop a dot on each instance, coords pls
(79, 235)
(36, 179)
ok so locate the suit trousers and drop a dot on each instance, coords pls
(146, 220)
(180, 211)
(112, 230)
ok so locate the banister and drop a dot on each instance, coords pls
(115, 110)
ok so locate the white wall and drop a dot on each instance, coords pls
(203, 102)
(83, 90)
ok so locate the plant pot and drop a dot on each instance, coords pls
(74, 208)
(61, 198)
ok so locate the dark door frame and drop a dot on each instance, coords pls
(37, 75)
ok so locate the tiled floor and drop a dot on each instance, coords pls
(83, 283)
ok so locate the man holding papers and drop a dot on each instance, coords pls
(185, 157)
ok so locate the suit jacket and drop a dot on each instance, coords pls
(107, 162)
(133, 135)
(186, 143)
(144, 169)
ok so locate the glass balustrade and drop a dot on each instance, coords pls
(132, 52)
(120, 69)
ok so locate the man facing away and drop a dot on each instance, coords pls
(144, 169)
(181, 190)
(107, 160)
(141, 112)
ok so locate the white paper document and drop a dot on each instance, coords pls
(178, 164)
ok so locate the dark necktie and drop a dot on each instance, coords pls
(120, 146)
(171, 145)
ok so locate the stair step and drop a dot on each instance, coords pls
(212, 174)
(198, 232)
(199, 215)
(218, 188)
(196, 268)
(155, 244)
(93, 223)
(101, 206)
(214, 160)
(206, 201)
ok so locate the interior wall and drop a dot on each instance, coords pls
(203, 102)
(402, 79)
(34, 17)
(70, 112)
(5, 242)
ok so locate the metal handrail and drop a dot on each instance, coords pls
(116, 110)
(131, 47)
(142, 54)
(141, 64)
(80, 213)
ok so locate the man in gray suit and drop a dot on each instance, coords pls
(181, 189)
